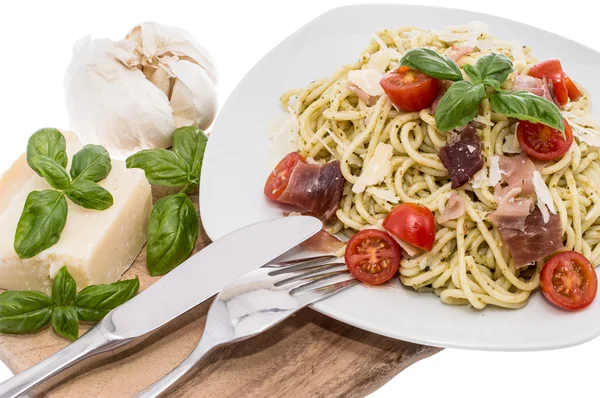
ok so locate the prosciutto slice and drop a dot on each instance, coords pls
(316, 188)
(462, 155)
(539, 87)
(457, 52)
(455, 207)
(535, 241)
(517, 172)
(322, 242)
(512, 211)
(370, 100)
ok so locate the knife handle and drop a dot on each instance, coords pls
(39, 378)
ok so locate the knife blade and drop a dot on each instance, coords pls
(191, 283)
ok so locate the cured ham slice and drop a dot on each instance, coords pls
(462, 155)
(539, 87)
(370, 100)
(512, 211)
(457, 52)
(517, 172)
(535, 241)
(322, 242)
(316, 188)
(455, 207)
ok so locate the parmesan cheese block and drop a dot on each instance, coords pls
(96, 246)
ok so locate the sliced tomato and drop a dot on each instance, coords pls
(279, 178)
(412, 223)
(410, 90)
(373, 256)
(569, 280)
(564, 89)
(543, 142)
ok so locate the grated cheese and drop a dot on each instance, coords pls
(377, 169)
(511, 144)
(544, 198)
(495, 173)
(367, 80)
(383, 194)
(480, 179)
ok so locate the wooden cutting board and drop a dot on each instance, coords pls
(308, 355)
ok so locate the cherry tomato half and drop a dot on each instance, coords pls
(569, 281)
(410, 90)
(412, 223)
(279, 177)
(373, 256)
(543, 142)
(564, 88)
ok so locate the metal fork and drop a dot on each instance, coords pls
(256, 302)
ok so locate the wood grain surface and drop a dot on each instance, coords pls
(308, 355)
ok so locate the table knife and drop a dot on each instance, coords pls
(193, 282)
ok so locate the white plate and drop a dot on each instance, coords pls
(236, 166)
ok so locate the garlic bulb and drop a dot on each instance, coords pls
(132, 94)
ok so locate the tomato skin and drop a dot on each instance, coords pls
(569, 280)
(279, 177)
(564, 89)
(412, 223)
(373, 256)
(543, 142)
(410, 90)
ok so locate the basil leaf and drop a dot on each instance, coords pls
(162, 167)
(65, 322)
(47, 142)
(172, 232)
(63, 287)
(459, 105)
(523, 105)
(495, 84)
(92, 163)
(43, 219)
(90, 195)
(24, 312)
(94, 302)
(431, 63)
(491, 66)
(53, 173)
(190, 143)
(472, 74)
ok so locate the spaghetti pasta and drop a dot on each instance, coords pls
(469, 264)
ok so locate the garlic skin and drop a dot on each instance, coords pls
(132, 94)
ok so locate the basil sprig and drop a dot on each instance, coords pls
(173, 225)
(460, 104)
(29, 311)
(431, 63)
(45, 212)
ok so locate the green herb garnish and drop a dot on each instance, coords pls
(45, 212)
(29, 311)
(460, 104)
(173, 225)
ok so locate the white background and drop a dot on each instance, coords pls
(35, 47)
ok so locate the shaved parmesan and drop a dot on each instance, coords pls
(584, 128)
(483, 120)
(471, 148)
(544, 197)
(480, 179)
(511, 144)
(367, 80)
(383, 194)
(467, 33)
(495, 175)
(380, 60)
(517, 51)
(378, 168)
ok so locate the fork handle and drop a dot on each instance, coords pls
(168, 382)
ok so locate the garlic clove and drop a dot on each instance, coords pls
(154, 40)
(161, 79)
(193, 99)
(113, 105)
